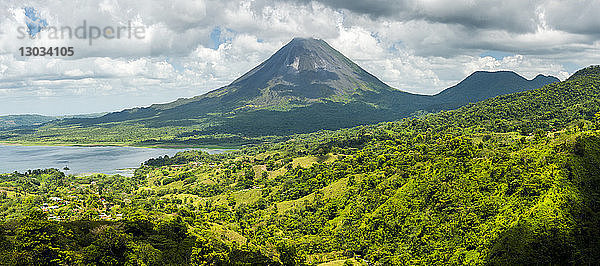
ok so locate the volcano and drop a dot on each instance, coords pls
(305, 86)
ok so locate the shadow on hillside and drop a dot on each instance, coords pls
(549, 238)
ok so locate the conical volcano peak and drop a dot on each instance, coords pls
(301, 40)
(308, 43)
(308, 68)
(310, 55)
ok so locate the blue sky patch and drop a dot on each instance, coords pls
(496, 54)
(34, 22)
(571, 67)
(219, 36)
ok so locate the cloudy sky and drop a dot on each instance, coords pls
(191, 47)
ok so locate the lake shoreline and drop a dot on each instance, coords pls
(119, 144)
(85, 160)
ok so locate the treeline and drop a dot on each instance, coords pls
(34, 240)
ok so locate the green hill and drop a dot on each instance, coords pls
(588, 71)
(35, 120)
(483, 85)
(10, 121)
(510, 180)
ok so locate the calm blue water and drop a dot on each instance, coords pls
(80, 160)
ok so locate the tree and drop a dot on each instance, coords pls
(289, 253)
(110, 247)
(40, 242)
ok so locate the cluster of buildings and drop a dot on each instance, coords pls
(56, 202)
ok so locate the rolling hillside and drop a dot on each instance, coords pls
(35, 120)
(512, 180)
(11, 121)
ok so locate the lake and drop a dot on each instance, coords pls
(81, 160)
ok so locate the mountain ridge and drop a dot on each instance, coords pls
(481, 85)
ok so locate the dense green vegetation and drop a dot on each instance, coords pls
(34, 240)
(508, 181)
